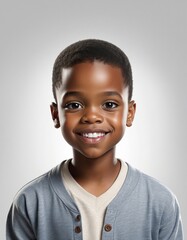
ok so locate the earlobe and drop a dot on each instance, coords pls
(131, 113)
(54, 114)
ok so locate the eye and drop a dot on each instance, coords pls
(73, 106)
(110, 105)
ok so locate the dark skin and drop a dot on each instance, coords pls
(92, 111)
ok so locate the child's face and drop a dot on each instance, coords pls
(92, 108)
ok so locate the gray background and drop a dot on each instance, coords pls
(152, 33)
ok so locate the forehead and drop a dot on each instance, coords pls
(91, 76)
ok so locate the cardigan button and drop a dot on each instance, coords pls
(108, 227)
(77, 229)
(78, 218)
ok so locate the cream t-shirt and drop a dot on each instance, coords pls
(92, 208)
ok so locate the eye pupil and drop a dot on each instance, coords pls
(75, 105)
(110, 105)
(72, 106)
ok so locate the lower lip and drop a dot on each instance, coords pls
(91, 140)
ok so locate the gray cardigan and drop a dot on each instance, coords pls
(142, 210)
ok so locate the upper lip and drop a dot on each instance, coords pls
(96, 130)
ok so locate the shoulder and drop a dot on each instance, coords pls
(156, 195)
(148, 191)
(164, 205)
(151, 194)
(155, 188)
(35, 190)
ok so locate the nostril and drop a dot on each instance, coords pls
(92, 118)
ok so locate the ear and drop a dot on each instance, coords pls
(131, 113)
(54, 114)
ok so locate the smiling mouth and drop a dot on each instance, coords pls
(92, 136)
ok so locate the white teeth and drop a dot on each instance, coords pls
(93, 135)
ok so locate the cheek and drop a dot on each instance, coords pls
(119, 119)
(68, 122)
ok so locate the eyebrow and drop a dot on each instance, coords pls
(112, 93)
(76, 93)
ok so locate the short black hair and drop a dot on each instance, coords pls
(92, 50)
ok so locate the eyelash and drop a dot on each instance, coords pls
(111, 105)
(69, 106)
(76, 105)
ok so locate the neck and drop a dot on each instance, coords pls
(95, 175)
(94, 169)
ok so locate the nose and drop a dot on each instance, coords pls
(91, 116)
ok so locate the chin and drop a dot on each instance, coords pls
(95, 153)
(91, 155)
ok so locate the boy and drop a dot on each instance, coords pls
(94, 195)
